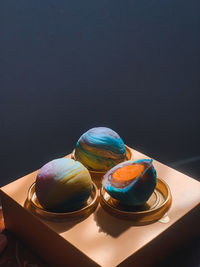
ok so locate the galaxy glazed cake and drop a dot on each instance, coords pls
(131, 182)
(63, 185)
(100, 149)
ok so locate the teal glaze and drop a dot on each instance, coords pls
(104, 140)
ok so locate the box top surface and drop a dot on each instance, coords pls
(116, 239)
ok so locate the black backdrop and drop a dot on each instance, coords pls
(67, 66)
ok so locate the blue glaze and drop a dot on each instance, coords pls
(103, 138)
(100, 148)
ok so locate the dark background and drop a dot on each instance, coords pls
(67, 66)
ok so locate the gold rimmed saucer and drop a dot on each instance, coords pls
(154, 209)
(98, 175)
(33, 205)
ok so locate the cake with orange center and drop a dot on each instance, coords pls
(131, 182)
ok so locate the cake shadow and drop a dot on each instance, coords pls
(112, 225)
(63, 226)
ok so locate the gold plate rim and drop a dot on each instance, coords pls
(146, 215)
(84, 211)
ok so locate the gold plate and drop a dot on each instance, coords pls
(33, 205)
(98, 175)
(154, 209)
